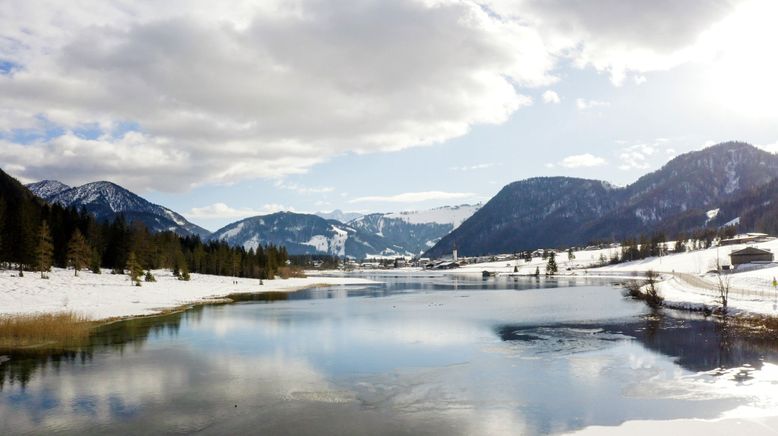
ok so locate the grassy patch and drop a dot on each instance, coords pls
(644, 290)
(287, 272)
(47, 329)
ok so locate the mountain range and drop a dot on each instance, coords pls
(415, 231)
(734, 177)
(729, 183)
(105, 200)
(305, 234)
(378, 234)
(392, 234)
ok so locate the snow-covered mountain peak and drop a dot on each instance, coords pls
(105, 200)
(339, 215)
(304, 234)
(47, 188)
(107, 194)
(454, 215)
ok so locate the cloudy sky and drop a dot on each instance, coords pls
(222, 110)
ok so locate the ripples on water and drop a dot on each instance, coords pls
(424, 354)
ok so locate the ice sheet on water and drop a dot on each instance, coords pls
(557, 340)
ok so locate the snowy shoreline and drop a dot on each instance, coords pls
(686, 282)
(106, 297)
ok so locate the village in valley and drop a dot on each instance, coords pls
(690, 271)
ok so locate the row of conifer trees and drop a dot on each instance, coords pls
(34, 236)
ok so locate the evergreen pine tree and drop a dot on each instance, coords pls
(2, 228)
(134, 270)
(537, 271)
(149, 277)
(179, 263)
(551, 267)
(25, 245)
(45, 250)
(184, 272)
(78, 251)
(95, 262)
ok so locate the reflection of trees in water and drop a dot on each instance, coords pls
(261, 297)
(21, 368)
(701, 345)
(23, 365)
(696, 344)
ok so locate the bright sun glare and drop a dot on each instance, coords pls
(744, 67)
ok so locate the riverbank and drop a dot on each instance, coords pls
(102, 297)
(688, 280)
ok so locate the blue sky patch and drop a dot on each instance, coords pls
(8, 67)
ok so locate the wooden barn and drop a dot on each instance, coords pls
(750, 255)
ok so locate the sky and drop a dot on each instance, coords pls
(224, 110)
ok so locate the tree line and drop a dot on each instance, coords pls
(34, 236)
(655, 245)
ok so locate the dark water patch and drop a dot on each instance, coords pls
(695, 344)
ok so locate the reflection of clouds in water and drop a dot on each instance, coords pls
(116, 389)
(391, 365)
(323, 330)
(755, 386)
(438, 319)
(90, 394)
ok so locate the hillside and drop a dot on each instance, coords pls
(559, 211)
(304, 234)
(106, 200)
(19, 208)
(415, 231)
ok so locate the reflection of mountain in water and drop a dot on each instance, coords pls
(696, 344)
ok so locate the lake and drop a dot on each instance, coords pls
(418, 354)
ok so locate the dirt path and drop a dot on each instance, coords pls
(713, 289)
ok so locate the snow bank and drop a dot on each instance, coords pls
(714, 427)
(584, 259)
(695, 262)
(101, 296)
(751, 286)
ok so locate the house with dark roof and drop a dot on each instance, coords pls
(750, 255)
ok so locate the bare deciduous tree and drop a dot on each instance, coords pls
(723, 287)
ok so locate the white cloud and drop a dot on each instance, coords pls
(771, 148)
(620, 37)
(550, 96)
(303, 189)
(220, 92)
(414, 197)
(640, 79)
(225, 92)
(223, 211)
(480, 166)
(584, 104)
(636, 156)
(585, 160)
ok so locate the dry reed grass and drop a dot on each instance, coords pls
(62, 329)
(287, 272)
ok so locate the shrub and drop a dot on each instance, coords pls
(286, 272)
(645, 290)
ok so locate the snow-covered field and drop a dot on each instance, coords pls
(692, 286)
(101, 296)
(583, 259)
